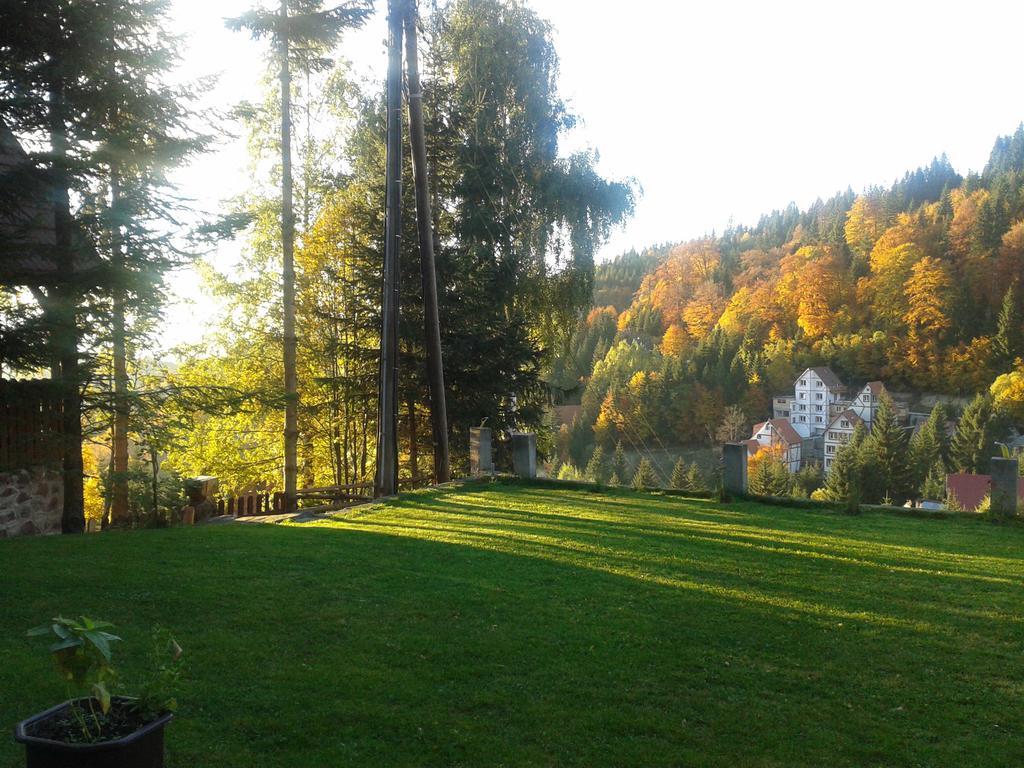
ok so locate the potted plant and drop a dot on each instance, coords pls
(93, 728)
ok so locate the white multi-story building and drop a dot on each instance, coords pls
(817, 393)
(818, 413)
(838, 434)
(779, 434)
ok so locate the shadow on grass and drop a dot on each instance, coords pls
(495, 627)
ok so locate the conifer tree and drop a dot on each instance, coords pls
(1008, 343)
(972, 443)
(678, 480)
(886, 450)
(89, 80)
(302, 33)
(843, 482)
(645, 476)
(934, 486)
(770, 478)
(597, 467)
(619, 461)
(928, 445)
(695, 478)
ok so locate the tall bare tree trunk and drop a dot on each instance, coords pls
(424, 221)
(386, 480)
(119, 440)
(65, 330)
(291, 384)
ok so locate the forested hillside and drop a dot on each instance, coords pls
(916, 284)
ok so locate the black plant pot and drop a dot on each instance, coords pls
(142, 749)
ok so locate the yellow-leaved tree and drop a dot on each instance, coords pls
(1008, 394)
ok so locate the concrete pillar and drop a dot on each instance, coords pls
(481, 457)
(524, 454)
(1004, 487)
(734, 458)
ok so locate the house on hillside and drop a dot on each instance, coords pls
(779, 434)
(866, 403)
(838, 434)
(816, 392)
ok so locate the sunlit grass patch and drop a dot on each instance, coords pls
(505, 624)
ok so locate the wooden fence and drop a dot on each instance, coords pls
(30, 424)
(266, 502)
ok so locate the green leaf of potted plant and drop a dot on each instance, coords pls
(93, 728)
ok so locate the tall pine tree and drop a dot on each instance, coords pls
(886, 450)
(972, 445)
(303, 33)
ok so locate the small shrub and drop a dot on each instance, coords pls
(569, 472)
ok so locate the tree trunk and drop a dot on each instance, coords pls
(119, 440)
(154, 460)
(291, 385)
(386, 480)
(65, 330)
(414, 453)
(424, 221)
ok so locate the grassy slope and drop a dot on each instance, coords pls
(510, 625)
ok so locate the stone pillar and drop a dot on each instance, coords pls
(524, 454)
(1004, 487)
(734, 478)
(481, 458)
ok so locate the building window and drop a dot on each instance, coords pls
(833, 435)
(844, 424)
(802, 395)
(830, 449)
(818, 384)
(819, 396)
(803, 382)
(818, 408)
(818, 420)
(785, 414)
(867, 397)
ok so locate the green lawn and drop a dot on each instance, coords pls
(524, 625)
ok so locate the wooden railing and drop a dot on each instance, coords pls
(266, 502)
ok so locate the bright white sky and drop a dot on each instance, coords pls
(722, 109)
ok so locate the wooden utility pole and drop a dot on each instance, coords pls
(386, 481)
(424, 222)
(291, 382)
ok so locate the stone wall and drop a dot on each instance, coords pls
(30, 501)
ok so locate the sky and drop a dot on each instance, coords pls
(720, 110)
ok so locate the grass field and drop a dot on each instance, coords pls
(525, 625)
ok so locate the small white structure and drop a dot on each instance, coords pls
(866, 403)
(839, 432)
(779, 434)
(817, 390)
